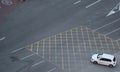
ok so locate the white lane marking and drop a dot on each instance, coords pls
(77, 2)
(118, 40)
(107, 24)
(110, 13)
(93, 3)
(27, 56)
(2, 38)
(37, 63)
(114, 10)
(112, 31)
(17, 50)
(52, 70)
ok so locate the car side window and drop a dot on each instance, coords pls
(108, 60)
(104, 59)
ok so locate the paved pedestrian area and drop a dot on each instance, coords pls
(7, 6)
(71, 50)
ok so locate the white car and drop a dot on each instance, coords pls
(104, 59)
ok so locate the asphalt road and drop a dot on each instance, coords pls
(35, 20)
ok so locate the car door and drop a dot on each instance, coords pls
(103, 61)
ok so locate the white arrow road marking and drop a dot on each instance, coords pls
(77, 2)
(114, 10)
(2, 38)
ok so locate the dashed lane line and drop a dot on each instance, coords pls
(27, 56)
(107, 24)
(14, 51)
(93, 3)
(52, 69)
(77, 2)
(112, 31)
(38, 63)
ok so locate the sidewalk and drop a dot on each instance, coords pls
(6, 6)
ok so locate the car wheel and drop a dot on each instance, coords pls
(111, 65)
(95, 62)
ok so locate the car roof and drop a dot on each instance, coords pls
(108, 56)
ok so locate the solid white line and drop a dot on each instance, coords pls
(52, 70)
(37, 63)
(2, 38)
(27, 56)
(17, 50)
(93, 3)
(112, 31)
(107, 24)
(77, 2)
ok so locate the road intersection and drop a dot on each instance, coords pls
(67, 33)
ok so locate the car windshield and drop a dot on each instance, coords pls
(114, 59)
(99, 55)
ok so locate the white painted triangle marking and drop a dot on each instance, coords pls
(114, 10)
(2, 38)
(110, 13)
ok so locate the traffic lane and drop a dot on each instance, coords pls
(9, 30)
(14, 37)
(17, 34)
(109, 28)
(13, 63)
(96, 25)
(23, 60)
(111, 23)
(72, 49)
(90, 15)
(100, 10)
(115, 35)
(30, 26)
(44, 67)
(16, 29)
